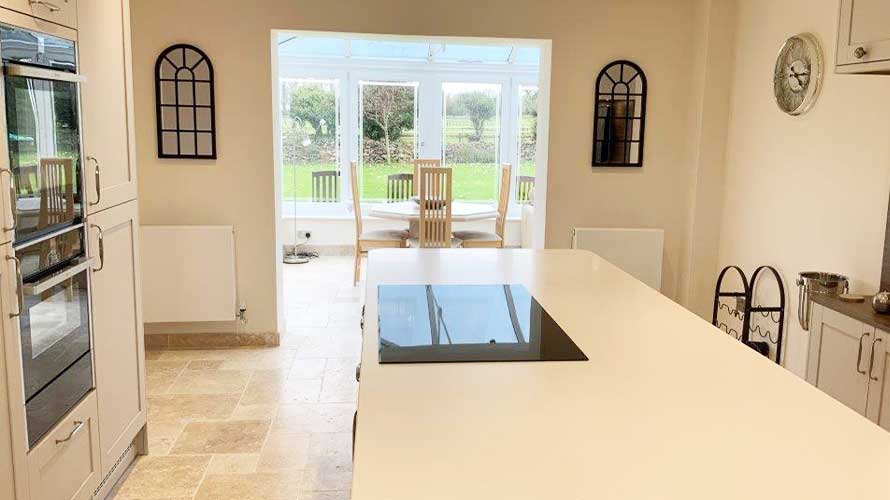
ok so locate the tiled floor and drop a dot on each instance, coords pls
(260, 424)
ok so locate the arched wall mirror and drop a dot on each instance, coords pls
(619, 116)
(186, 114)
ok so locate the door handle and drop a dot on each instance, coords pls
(101, 238)
(12, 200)
(859, 356)
(78, 425)
(871, 362)
(18, 286)
(97, 175)
(49, 6)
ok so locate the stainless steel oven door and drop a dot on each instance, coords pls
(54, 323)
(43, 134)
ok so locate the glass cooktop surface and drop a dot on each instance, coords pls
(464, 323)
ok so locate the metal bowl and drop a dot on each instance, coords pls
(822, 283)
(881, 303)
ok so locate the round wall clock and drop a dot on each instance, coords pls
(798, 74)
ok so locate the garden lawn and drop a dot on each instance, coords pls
(472, 182)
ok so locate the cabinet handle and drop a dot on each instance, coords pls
(18, 286)
(78, 425)
(860, 52)
(12, 200)
(49, 6)
(859, 356)
(871, 362)
(101, 238)
(97, 175)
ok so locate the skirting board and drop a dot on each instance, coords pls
(165, 341)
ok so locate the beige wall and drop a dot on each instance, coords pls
(809, 192)
(238, 188)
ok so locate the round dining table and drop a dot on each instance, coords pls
(461, 211)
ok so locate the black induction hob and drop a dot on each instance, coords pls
(464, 323)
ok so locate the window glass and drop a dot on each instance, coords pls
(388, 139)
(291, 45)
(528, 55)
(470, 138)
(528, 139)
(389, 50)
(310, 140)
(473, 53)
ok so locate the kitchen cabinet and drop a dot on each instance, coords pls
(863, 44)
(848, 361)
(65, 464)
(117, 330)
(63, 12)
(7, 483)
(107, 103)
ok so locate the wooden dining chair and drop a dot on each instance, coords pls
(399, 187)
(326, 186)
(483, 239)
(525, 189)
(435, 209)
(421, 162)
(56, 191)
(368, 240)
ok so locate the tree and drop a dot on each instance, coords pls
(478, 106)
(315, 104)
(530, 108)
(388, 110)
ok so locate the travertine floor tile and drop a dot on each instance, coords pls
(267, 486)
(164, 477)
(330, 450)
(336, 479)
(301, 391)
(325, 495)
(233, 464)
(313, 418)
(339, 384)
(210, 382)
(284, 452)
(204, 364)
(307, 368)
(255, 412)
(160, 375)
(232, 436)
(189, 407)
(333, 345)
(162, 435)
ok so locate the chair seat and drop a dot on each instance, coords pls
(415, 243)
(384, 235)
(476, 236)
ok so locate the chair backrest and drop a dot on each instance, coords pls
(525, 188)
(420, 162)
(399, 187)
(356, 201)
(57, 191)
(435, 207)
(503, 200)
(326, 186)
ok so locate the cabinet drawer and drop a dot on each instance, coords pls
(62, 12)
(65, 464)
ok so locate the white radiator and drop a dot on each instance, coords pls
(638, 252)
(188, 273)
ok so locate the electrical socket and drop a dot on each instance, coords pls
(307, 235)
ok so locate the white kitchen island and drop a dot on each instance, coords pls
(667, 407)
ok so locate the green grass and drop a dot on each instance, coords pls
(472, 182)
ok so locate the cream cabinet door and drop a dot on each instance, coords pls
(107, 108)
(879, 389)
(863, 32)
(7, 484)
(117, 330)
(842, 353)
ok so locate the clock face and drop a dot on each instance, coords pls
(798, 74)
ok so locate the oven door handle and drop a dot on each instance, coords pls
(18, 286)
(67, 273)
(12, 69)
(13, 195)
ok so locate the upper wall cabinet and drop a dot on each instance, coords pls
(104, 40)
(62, 12)
(863, 44)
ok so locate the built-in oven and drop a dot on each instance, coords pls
(54, 322)
(43, 131)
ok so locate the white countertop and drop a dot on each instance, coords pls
(668, 407)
